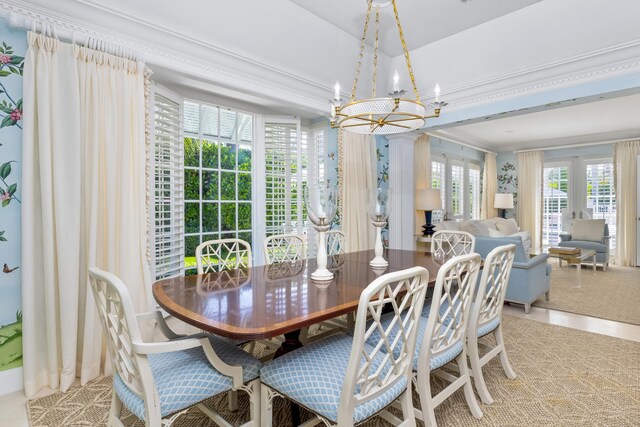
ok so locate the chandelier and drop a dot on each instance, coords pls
(382, 115)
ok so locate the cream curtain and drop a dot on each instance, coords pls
(530, 167)
(421, 173)
(489, 186)
(359, 172)
(84, 203)
(625, 164)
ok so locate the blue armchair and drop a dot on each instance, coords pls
(601, 247)
(530, 276)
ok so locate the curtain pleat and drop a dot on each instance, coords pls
(358, 180)
(489, 186)
(530, 167)
(84, 188)
(626, 180)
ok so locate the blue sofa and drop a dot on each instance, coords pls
(601, 247)
(530, 276)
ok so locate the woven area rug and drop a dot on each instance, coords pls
(613, 294)
(565, 377)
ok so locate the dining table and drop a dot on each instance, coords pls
(266, 301)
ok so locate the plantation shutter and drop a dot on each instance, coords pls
(167, 182)
(285, 175)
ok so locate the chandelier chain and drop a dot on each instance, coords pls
(375, 54)
(406, 51)
(361, 56)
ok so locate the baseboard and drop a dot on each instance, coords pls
(10, 381)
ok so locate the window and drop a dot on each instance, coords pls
(474, 191)
(460, 188)
(286, 160)
(556, 199)
(218, 148)
(601, 197)
(167, 219)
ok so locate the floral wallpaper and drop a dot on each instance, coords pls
(12, 52)
(508, 180)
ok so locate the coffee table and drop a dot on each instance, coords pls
(577, 260)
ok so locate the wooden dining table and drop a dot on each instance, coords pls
(270, 300)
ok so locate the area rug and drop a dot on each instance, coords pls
(565, 377)
(613, 294)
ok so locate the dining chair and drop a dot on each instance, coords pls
(446, 244)
(336, 242)
(284, 247)
(343, 380)
(159, 381)
(223, 254)
(444, 336)
(486, 316)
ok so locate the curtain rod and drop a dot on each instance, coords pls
(464, 144)
(588, 144)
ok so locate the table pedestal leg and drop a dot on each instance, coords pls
(291, 342)
(578, 275)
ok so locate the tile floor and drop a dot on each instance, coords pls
(14, 405)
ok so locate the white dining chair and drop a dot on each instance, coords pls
(157, 382)
(446, 244)
(444, 337)
(486, 317)
(342, 379)
(223, 254)
(284, 248)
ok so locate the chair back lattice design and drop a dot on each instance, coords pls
(450, 306)
(371, 372)
(447, 244)
(492, 289)
(284, 248)
(336, 242)
(223, 254)
(120, 327)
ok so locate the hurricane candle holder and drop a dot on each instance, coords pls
(321, 209)
(379, 208)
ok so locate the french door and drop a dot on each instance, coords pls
(577, 188)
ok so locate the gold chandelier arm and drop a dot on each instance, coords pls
(361, 56)
(406, 51)
(375, 54)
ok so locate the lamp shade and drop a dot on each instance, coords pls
(428, 200)
(503, 201)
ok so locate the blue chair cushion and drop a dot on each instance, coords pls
(436, 361)
(185, 378)
(313, 377)
(488, 327)
(582, 244)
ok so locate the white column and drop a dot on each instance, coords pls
(401, 226)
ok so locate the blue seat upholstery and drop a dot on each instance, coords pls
(321, 368)
(601, 247)
(530, 277)
(185, 378)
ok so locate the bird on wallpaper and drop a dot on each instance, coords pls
(6, 269)
(331, 155)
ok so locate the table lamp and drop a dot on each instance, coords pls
(428, 200)
(502, 202)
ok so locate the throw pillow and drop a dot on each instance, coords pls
(507, 226)
(475, 228)
(590, 230)
(494, 233)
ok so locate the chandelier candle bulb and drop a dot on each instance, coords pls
(396, 82)
(437, 91)
(336, 93)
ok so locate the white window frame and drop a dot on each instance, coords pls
(447, 202)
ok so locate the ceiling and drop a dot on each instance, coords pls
(604, 119)
(423, 21)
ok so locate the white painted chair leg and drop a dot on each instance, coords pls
(468, 389)
(255, 402)
(527, 307)
(426, 400)
(504, 360)
(232, 396)
(407, 407)
(266, 410)
(116, 411)
(478, 377)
